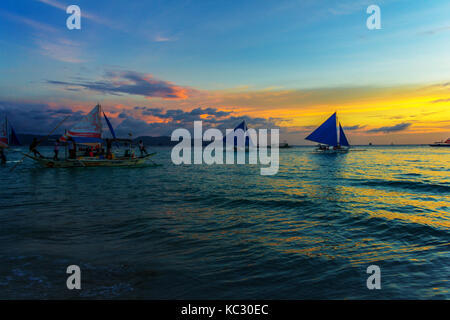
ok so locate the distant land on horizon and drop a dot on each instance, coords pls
(26, 139)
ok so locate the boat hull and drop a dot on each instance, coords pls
(331, 151)
(90, 162)
(440, 145)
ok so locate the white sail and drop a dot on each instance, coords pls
(88, 130)
(4, 133)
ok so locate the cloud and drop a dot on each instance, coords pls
(160, 38)
(54, 4)
(41, 118)
(60, 49)
(357, 127)
(49, 40)
(207, 114)
(396, 128)
(164, 122)
(131, 82)
(38, 118)
(35, 25)
(349, 7)
(436, 30)
(440, 100)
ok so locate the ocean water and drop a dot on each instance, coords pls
(226, 232)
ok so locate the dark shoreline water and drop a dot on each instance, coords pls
(225, 231)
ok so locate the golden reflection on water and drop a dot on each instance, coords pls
(398, 184)
(300, 210)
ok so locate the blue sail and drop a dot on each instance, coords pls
(110, 126)
(342, 138)
(326, 133)
(244, 128)
(14, 140)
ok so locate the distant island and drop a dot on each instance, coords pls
(26, 139)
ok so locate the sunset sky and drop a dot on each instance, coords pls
(159, 65)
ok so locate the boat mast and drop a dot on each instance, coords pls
(100, 116)
(65, 146)
(337, 131)
(7, 131)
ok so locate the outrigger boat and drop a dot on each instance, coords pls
(88, 132)
(327, 137)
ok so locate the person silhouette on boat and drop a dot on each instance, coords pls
(33, 148)
(72, 148)
(108, 148)
(2, 156)
(56, 150)
(142, 148)
(96, 150)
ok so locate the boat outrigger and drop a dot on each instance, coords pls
(91, 161)
(88, 133)
(327, 137)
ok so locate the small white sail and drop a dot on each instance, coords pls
(4, 133)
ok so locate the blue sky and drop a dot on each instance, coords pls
(224, 44)
(210, 46)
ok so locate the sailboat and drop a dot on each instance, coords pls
(88, 132)
(8, 136)
(284, 145)
(327, 136)
(240, 134)
(441, 144)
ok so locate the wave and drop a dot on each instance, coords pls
(270, 203)
(232, 202)
(405, 230)
(411, 185)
